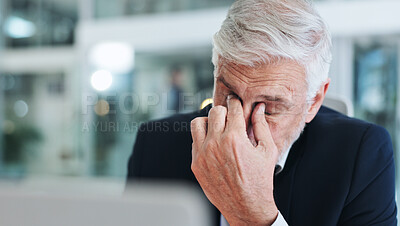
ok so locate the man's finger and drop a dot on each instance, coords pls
(216, 120)
(198, 127)
(260, 126)
(235, 119)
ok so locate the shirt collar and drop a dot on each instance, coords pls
(281, 162)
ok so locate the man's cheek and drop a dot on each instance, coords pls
(275, 132)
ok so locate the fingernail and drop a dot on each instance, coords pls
(230, 96)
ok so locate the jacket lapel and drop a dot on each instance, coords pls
(284, 181)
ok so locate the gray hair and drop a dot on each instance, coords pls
(257, 32)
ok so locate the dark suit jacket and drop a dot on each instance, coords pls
(339, 172)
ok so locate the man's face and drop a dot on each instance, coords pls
(281, 86)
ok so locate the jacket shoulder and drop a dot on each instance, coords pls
(328, 119)
(174, 124)
(162, 148)
(344, 135)
(349, 163)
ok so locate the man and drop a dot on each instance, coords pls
(267, 153)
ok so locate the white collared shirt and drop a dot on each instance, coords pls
(280, 221)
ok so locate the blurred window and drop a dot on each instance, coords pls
(376, 83)
(146, 93)
(118, 8)
(36, 129)
(106, 8)
(45, 133)
(28, 23)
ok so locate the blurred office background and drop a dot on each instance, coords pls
(78, 77)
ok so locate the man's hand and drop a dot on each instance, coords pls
(235, 175)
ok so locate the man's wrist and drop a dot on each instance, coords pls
(255, 222)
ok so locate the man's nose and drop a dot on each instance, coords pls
(247, 113)
(248, 110)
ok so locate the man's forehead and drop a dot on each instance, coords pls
(268, 92)
(286, 74)
(283, 68)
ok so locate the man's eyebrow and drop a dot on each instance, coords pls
(222, 79)
(278, 98)
(274, 98)
(282, 101)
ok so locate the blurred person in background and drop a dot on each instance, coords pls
(176, 90)
(267, 152)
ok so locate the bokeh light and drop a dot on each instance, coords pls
(102, 108)
(21, 108)
(17, 27)
(101, 80)
(113, 56)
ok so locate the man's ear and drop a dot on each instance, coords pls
(317, 101)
